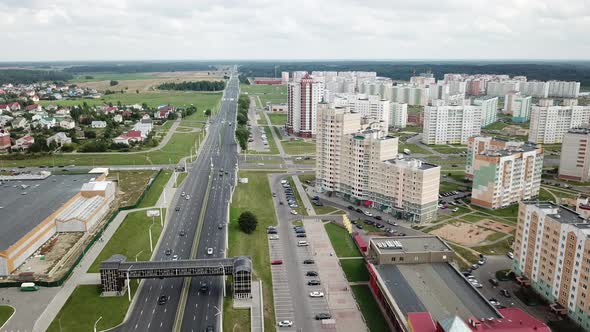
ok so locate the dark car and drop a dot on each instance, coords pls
(354, 222)
(168, 252)
(203, 288)
(162, 299)
(369, 222)
(359, 226)
(323, 315)
(210, 328)
(300, 231)
(308, 261)
(378, 218)
(177, 208)
(314, 283)
(271, 231)
(182, 233)
(359, 210)
(505, 293)
(494, 282)
(311, 274)
(301, 235)
(350, 207)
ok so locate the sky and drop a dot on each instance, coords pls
(48, 30)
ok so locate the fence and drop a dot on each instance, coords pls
(96, 236)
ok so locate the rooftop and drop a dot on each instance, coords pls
(407, 244)
(559, 212)
(580, 131)
(436, 288)
(24, 204)
(411, 162)
(510, 150)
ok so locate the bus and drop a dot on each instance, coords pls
(28, 287)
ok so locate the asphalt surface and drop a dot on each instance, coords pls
(201, 310)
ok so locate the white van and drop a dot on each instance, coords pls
(302, 244)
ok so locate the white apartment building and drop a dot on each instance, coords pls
(304, 94)
(376, 86)
(371, 107)
(399, 114)
(497, 89)
(536, 89)
(549, 123)
(518, 106)
(563, 89)
(451, 124)
(361, 165)
(410, 94)
(574, 162)
(489, 110)
(423, 79)
(480, 144)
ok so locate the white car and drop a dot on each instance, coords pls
(494, 302)
(209, 251)
(316, 294)
(510, 255)
(293, 212)
(175, 257)
(188, 197)
(368, 214)
(273, 237)
(285, 323)
(183, 193)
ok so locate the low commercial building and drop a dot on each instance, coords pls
(420, 291)
(507, 176)
(278, 108)
(33, 211)
(574, 162)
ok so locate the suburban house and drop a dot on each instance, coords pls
(109, 109)
(60, 139)
(118, 118)
(15, 106)
(47, 122)
(39, 116)
(5, 142)
(23, 143)
(144, 125)
(127, 113)
(4, 108)
(129, 137)
(67, 123)
(33, 108)
(20, 122)
(98, 124)
(164, 111)
(5, 119)
(62, 111)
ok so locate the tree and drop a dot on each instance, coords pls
(247, 222)
(113, 82)
(208, 112)
(137, 91)
(242, 137)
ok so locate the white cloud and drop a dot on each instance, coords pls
(304, 29)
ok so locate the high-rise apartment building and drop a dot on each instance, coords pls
(574, 162)
(563, 89)
(507, 176)
(480, 144)
(552, 255)
(451, 124)
(399, 115)
(550, 123)
(489, 110)
(413, 95)
(304, 94)
(371, 107)
(497, 89)
(361, 164)
(536, 89)
(518, 106)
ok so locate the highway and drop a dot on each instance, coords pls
(187, 309)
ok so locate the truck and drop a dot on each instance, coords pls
(28, 287)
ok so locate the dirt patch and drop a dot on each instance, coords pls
(495, 225)
(42, 261)
(149, 84)
(463, 233)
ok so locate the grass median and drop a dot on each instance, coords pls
(181, 177)
(256, 197)
(355, 269)
(6, 312)
(370, 309)
(131, 239)
(153, 194)
(342, 242)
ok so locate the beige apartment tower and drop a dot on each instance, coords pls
(574, 162)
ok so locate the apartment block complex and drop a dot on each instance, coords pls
(410, 94)
(489, 110)
(481, 144)
(549, 123)
(574, 163)
(507, 176)
(304, 94)
(399, 115)
(518, 106)
(361, 164)
(552, 254)
(451, 124)
(371, 107)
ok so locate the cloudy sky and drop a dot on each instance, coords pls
(277, 29)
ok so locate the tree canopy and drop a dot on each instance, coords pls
(247, 222)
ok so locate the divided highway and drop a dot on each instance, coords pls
(198, 218)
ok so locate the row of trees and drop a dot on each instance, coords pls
(242, 118)
(194, 86)
(25, 76)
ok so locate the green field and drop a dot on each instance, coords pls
(5, 313)
(234, 319)
(275, 94)
(370, 309)
(342, 242)
(448, 149)
(355, 269)
(277, 119)
(181, 177)
(131, 239)
(496, 126)
(414, 148)
(153, 194)
(298, 147)
(111, 76)
(85, 306)
(256, 197)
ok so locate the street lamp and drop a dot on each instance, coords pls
(150, 234)
(99, 318)
(223, 271)
(138, 255)
(128, 288)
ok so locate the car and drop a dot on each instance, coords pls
(162, 299)
(354, 222)
(209, 251)
(510, 255)
(350, 207)
(308, 261)
(204, 287)
(187, 197)
(494, 282)
(455, 209)
(182, 233)
(316, 294)
(378, 218)
(368, 214)
(466, 273)
(168, 252)
(481, 261)
(311, 273)
(280, 202)
(302, 244)
(271, 231)
(494, 302)
(285, 323)
(470, 277)
(300, 230)
(274, 194)
(177, 208)
(323, 315)
(175, 257)
(182, 194)
(293, 212)
(220, 226)
(276, 262)
(379, 226)
(225, 172)
(273, 237)
(359, 210)
(210, 328)
(474, 267)
(477, 285)
(314, 282)
(359, 226)
(505, 293)
(301, 235)
(315, 198)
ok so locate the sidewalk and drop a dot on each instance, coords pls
(79, 275)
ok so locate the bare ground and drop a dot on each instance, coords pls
(150, 84)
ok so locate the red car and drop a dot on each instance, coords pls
(276, 262)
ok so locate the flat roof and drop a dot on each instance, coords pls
(405, 244)
(436, 288)
(411, 162)
(559, 213)
(20, 212)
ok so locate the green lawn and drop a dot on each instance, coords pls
(111, 76)
(449, 186)
(234, 319)
(181, 177)
(448, 149)
(298, 147)
(275, 94)
(153, 194)
(370, 309)
(256, 197)
(414, 148)
(131, 238)
(85, 306)
(500, 248)
(5, 313)
(277, 119)
(496, 126)
(131, 184)
(465, 253)
(324, 209)
(509, 211)
(278, 132)
(355, 269)
(342, 242)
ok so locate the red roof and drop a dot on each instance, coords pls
(513, 320)
(360, 242)
(132, 134)
(421, 322)
(32, 107)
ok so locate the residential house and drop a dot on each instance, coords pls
(4, 108)
(51, 107)
(5, 119)
(129, 137)
(5, 142)
(34, 98)
(127, 114)
(62, 111)
(48, 122)
(109, 109)
(67, 123)
(60, 138)
(144, 125)
(23, 143)
(20, 122)
(98, 124)
(39, 116)
(35, 108)
(15, 106)
(164, 111)
(118, 118)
